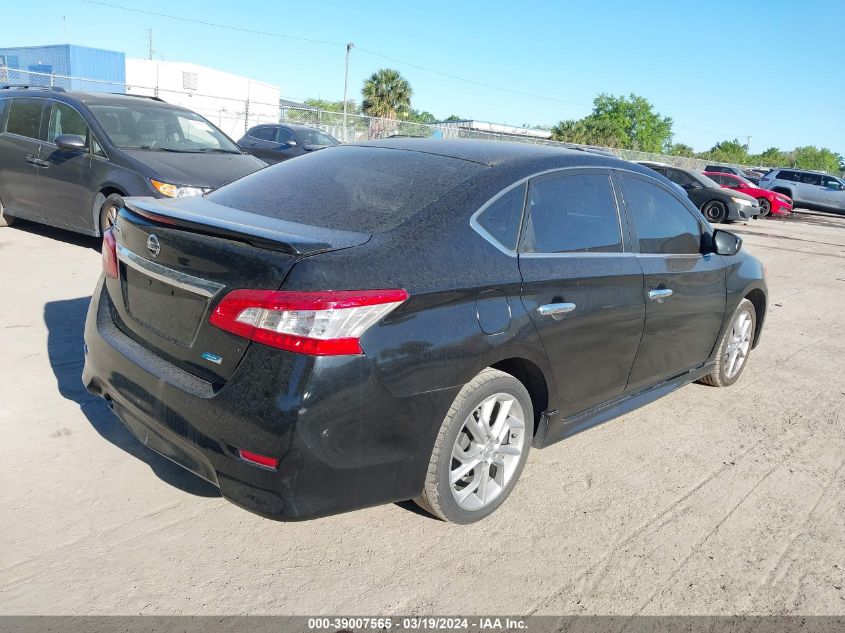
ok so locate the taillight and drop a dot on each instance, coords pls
(109, 254)
(318, 323)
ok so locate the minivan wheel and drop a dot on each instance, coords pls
(715, 211)
(5, 218)
(765, 207)
(480, 450)
(735, 347)
(108, 212)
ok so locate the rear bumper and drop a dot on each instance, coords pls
(343, 441)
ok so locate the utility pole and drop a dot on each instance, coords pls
(748, 143)
(345, 86)
(64, 19)
(150, 50)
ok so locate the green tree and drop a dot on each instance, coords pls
(680, 149)
(332, 106)
(728, 152)
(386, 94)
(455, 117)
(623, 122)
(811, 157)
(415, 116)
(772, 157)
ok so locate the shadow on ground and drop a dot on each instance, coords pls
(60, 235)
(65, 322)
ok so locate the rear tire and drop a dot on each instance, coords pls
(5, 218)
(765, 207)
(715, 211)
(108, 212)
(480, 450)
(735, 347)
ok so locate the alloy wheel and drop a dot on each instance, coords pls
(765, 207)
(487, 451)
(739, 343)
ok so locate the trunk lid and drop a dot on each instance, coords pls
(178, 258)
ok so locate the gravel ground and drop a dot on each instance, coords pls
(708, 501)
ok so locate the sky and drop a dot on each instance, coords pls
(770, 70)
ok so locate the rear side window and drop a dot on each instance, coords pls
(572, 214)
(787, 175)
(348, 187)
(502, 218)
(811, 179)
(66, 120)
(263, 134)
(283, 135)
(25, 117)
(663, 225)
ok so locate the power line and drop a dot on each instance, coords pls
(367, 51)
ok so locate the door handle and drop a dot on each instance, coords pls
(660, 294)
(38, 162)
(556, 310)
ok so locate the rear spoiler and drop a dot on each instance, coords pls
(203, 216)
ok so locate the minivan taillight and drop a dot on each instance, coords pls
(109, 254)
(318, 323)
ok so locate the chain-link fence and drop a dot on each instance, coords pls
(235, 115)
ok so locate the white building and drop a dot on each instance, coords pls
(231, 102)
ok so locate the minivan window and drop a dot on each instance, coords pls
(663, 225)
(151, 127)
(25, 117)
(66, 120)
(571, 214)
(502, 218)
(347, 187)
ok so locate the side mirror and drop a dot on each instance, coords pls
(70, 142)
(726, 243)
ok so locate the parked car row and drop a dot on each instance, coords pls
(717, 204)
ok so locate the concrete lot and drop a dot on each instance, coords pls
(709, 501)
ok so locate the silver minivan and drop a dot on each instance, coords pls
(807, 188)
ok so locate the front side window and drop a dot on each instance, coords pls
(284, 135)
(663, 225)
(151, 127)
(831, 183)
(66, 120)
(315, 137)
(502, 218)
(25, 117)
(572, 214)
(680, 178)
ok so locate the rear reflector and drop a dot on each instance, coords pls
(260, 460)
(109, 254)
(317, 323)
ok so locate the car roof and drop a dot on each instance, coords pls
(290, 126)
(486, 152)
(89, 98)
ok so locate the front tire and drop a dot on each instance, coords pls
(733, 352)
(765, 207)
(716, 212)
(108, 212)
(480, 450)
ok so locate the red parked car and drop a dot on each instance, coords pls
(771, 202)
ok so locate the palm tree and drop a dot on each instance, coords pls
(386, 93)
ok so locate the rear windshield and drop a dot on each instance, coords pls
(363, 189)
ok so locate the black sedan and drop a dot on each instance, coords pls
(407, 318)
(275, 143)
(716, 203)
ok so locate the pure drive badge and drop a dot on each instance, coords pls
(214, 358)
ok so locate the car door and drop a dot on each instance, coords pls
(67, 193)
(684, 290)
(810, 188)
(287, 145)
(833, 193)
(261, 142)
(20, 147)
(583, 291)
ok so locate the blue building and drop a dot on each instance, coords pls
(64, 65)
